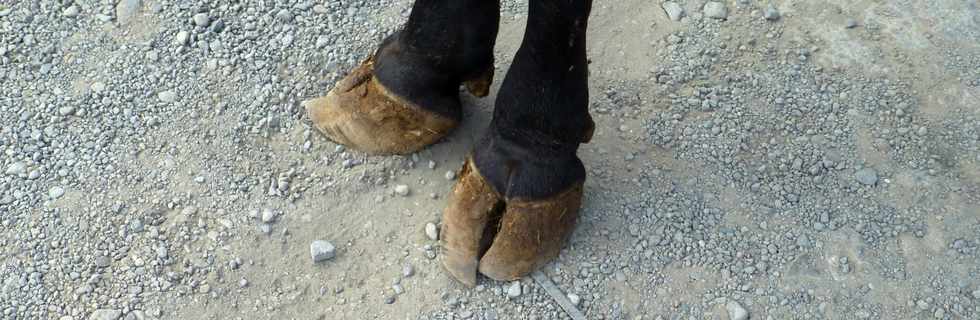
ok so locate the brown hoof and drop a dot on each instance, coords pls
(517, 235)
(480, 86)
(362, 114)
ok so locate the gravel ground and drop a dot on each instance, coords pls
(752, 160)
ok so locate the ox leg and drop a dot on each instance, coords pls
(520, 190)
(405, 96)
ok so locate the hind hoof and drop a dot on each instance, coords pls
(362, 114)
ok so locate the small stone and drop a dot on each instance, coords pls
(102, 261)
(674, 11)
(71, 12)
(976, 294)
(284, 15)
(126, 10)
(514, 290)
(242, 283)
(736, 311)
(450, 175)
(431, 231)
(17, 168)
(850, 23)
(105, 314)
(408, 270)
(574, 299)
(771, 13)
(715, 10)
(56, 192)
(265, 228)
(201, 19)
(402, 190)
(167, 96)
(866, 176)
(66, 111)
(389, 299)
(321, 250)
(98, 86)
(322, 41)
(922, 305)
(268, 215)
(182, 38)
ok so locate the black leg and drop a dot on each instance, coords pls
(541, 113)
(406, 96)
(443, 44)
(519, 193)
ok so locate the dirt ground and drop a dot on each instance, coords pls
(792, 160)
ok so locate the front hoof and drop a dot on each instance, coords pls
(362, 114)
(503, 238)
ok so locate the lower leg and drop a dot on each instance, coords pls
(527, 158)
(443, 44)
(406, 95)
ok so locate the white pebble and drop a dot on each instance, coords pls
(201, 19)
(736, 311)
(167, 96)
(402, 190)
(715, 10)
(431, 231)
(321, 250)
(56, 192)
(268, 215)
(514, 290)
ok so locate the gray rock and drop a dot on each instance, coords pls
(408, 270)
(674, 11)
(167, 96)
(321, 250)
(284, 15)
(56, 192)
(66, 111)
(98, 86)
(182, 38)
(976, 294)
(201, 19)
(866, 176)
(574, 299)
(431, 231)
(126, 10)
(402, 190)
(16, 168)
(268, 216)
(105, 314)
(450, 175)
(514, 290)
(736, 311)
(850, 23)
(102, 261)
(715, 10)
(771, 13)
(71, 12)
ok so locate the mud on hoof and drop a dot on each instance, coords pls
(504, 238)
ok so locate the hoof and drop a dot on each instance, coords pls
(504, 239)
(362, 114)
(480, 86)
